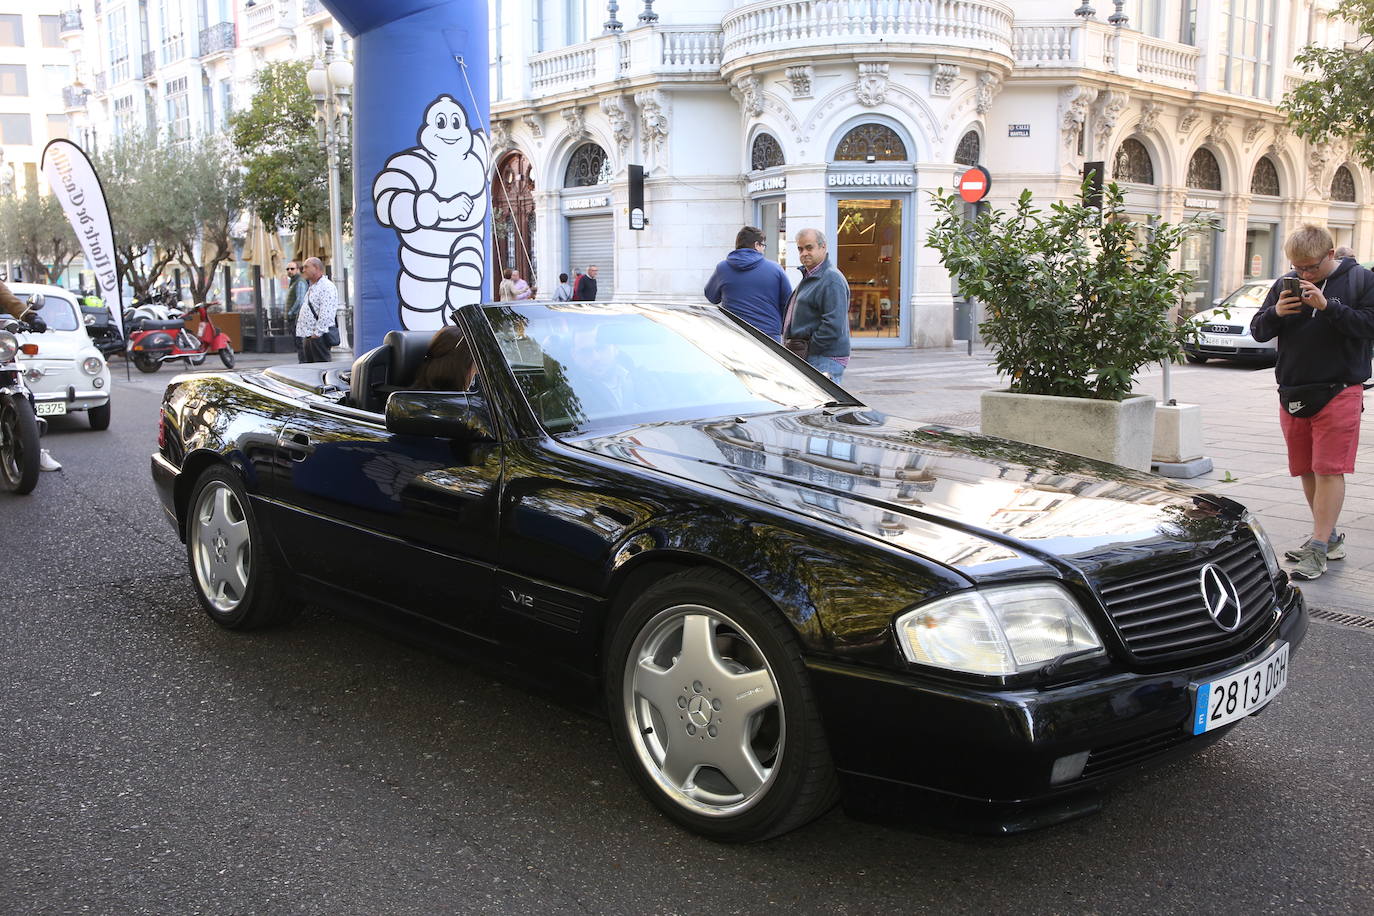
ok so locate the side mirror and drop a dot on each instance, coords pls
(456, 415)
(35, 302)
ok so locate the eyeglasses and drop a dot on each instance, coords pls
(1309, 268)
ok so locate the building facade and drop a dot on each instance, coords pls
(844, 115)
(35, 68)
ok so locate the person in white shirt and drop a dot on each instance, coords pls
(317, 315)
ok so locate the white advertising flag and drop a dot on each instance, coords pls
(74, 181)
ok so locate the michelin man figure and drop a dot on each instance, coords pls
(435, 196)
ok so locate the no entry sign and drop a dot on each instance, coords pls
(973, 184)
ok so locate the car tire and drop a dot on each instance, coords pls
(1195, 359)
(703, 660)
(99, 416)
(232, 568)
(145, 363)
(19, 448)
(226, 356)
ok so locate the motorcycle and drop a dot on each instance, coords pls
(153, 342)
(20, 427)
(101, 327)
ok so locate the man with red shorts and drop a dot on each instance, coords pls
(1324, 351)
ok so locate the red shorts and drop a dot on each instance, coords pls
(1326, 443)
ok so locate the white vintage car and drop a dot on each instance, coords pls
(67, 373)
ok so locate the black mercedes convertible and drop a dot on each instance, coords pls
(781, 596)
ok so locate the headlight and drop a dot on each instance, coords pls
(92, 365)
(999, 631)
(9, 346)
(1271, 559)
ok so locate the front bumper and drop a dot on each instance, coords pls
(1244, 348)
(981, 759)
(75, 399)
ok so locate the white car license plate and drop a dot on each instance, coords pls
(51, 408)
(1240, 693)
(1215, 340)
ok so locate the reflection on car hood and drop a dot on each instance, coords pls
(1238, 314)
(984, 505)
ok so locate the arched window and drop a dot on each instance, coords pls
(969, 150)
(1343, 186)
(1133, 163)
(766, 153)
(588, 166)
(1203, 171)
(871, 142)
(1265, 179)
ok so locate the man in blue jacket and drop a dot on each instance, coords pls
(751, 286)
(1324, 333)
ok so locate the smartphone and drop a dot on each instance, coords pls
(1292, 286)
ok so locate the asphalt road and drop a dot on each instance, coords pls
(153, 763)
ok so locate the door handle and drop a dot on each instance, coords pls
(296, 444)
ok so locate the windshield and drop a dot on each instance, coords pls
(1250, 296)
(585, 365)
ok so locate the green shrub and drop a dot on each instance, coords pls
(1075, 302)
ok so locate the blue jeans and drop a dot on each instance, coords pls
(831, 367)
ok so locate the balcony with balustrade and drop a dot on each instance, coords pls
(675, 54)
(267, 22)
(74, 98)
(1050, 48)
(777, 33)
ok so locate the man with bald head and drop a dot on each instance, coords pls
(317, 314)
(816, 326)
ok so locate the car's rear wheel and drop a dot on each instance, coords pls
(99, 416)
(1195, 358)
(231, 564)
(713, 711)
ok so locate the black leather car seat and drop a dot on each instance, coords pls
(390, 367)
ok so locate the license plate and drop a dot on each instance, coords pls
(1212, 340)
(1240, 693)
(51, 408)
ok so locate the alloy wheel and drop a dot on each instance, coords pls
(221, 547)
(703, 710)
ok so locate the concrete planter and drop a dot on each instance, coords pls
(1121, 432)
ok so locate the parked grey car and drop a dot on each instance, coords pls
(1224, 330)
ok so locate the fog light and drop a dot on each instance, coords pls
(98, 382)
(1067, 769)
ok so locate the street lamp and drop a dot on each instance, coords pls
(331, 82)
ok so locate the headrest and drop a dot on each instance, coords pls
(408, 350)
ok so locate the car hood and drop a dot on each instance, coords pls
(64, 345)
(1239, 314)
(988, 507)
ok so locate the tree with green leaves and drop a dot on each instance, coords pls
(1335, 102)
(286, 179)
(136, 172)
(205, 197)
(34, 231)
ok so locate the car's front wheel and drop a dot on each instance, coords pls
(231, 564)
(99, 417)
(713, 711)
(1195, 358)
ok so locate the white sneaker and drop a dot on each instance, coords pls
(47, 462)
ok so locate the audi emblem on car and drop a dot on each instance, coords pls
(777, 595)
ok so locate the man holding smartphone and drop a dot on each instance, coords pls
(1323, 316)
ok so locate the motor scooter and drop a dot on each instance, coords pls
(154, 342)
(101, 328)
(20, 426)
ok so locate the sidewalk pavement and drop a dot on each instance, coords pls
(1240, 419)
(1240, 428)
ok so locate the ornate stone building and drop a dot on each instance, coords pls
(844, 114)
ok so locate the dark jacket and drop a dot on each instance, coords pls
(821, 314)
(1332, 345)
(10, 303)
(585, 291)
(752, 287)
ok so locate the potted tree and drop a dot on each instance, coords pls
(1076, 301)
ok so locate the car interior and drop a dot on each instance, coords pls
(390, 367)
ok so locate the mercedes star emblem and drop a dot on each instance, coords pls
(1220, 596)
